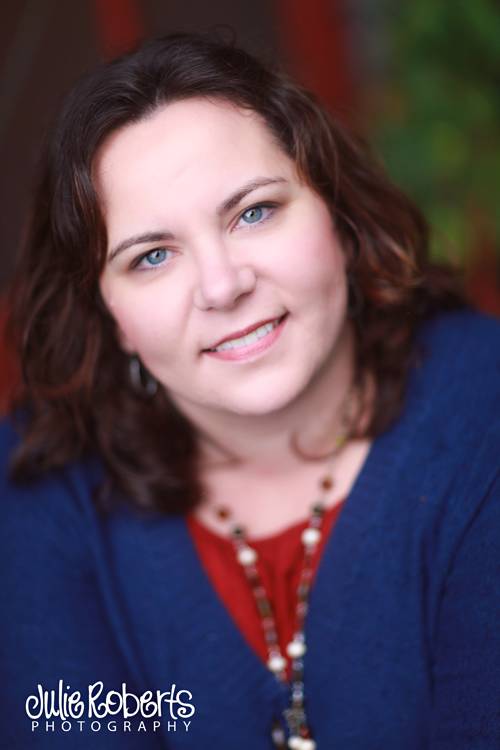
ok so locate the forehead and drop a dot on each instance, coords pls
(189, 140)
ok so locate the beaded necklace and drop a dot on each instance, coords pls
(300, 734)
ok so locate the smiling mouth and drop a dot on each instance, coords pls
(249, 338)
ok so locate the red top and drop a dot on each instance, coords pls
(279, 563)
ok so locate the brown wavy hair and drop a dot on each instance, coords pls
(75, 393)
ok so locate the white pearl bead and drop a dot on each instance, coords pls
(295, 743)
(296, 649)
(276, 663)
(247, 556)
(307, 744)
(310, 537)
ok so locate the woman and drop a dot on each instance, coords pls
(254, 461)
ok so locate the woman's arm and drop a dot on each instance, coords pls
(53, 625)
(467, 655)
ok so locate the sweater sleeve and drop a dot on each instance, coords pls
(467, 653)
(53, 625)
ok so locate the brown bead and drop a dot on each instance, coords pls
(252, 575)
(327, 482)
(222, 513)
(264, 607)
(302, 591)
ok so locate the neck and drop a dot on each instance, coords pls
(262, 443)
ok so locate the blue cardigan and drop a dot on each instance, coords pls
(403, 630)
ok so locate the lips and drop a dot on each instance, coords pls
(243, 332)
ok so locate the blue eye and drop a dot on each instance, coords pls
(252, 214)
(152, 259)
(155, 256)
(257, 214)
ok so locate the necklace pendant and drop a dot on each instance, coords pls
(301, 743)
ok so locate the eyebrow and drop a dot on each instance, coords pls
(223, 208)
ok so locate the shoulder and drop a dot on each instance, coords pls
(462, 342)
(449, 430)
(457, 371)
(48, 511)
(445, 442)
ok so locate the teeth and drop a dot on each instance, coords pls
(250, 338)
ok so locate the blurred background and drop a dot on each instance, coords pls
(420, 81)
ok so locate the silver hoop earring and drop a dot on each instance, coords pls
(141, 380)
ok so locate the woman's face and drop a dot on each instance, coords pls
(211, 231)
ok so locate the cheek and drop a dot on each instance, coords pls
(146, 324)
(317, 267)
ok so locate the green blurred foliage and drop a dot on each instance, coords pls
(438, 123)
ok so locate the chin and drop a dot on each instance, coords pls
(271, 398)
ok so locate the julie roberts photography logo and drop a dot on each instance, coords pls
(96, 709)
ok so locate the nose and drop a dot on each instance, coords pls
(221, 281)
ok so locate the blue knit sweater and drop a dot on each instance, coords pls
(403, 630)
